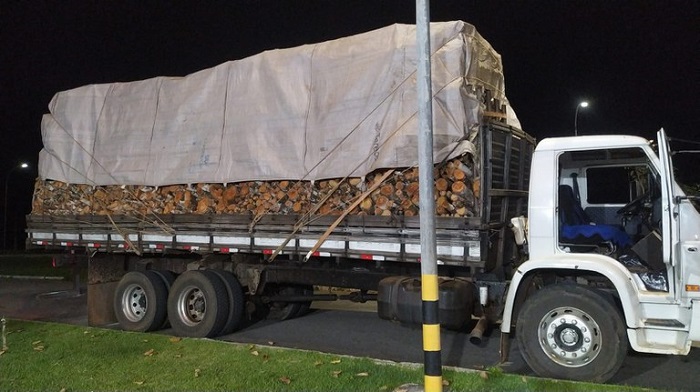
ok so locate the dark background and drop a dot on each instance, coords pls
(636, 62)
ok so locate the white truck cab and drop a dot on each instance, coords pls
(613, 258)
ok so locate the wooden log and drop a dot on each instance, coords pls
(382, 202)
(386, 190)
(398, 194)
(230, 193)
(412, 188)
(458, 187)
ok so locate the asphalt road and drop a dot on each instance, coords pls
(350, 330)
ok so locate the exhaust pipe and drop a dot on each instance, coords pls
(476, 335)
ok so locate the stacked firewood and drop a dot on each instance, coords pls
(455, 190)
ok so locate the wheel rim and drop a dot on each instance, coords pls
(134, 303)
(191, 305)
(569, 336)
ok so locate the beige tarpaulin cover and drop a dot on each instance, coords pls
(334, 109)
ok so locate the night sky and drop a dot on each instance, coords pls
(636, 62)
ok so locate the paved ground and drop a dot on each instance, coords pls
(362, 333)
(43, 300)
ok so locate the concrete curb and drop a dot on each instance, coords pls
(28, 277)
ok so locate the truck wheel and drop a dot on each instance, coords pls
(140, 301)
(571, 332)
(198, 304)
(284, 310)
(236, 301)
(168, 278)
(304, 307)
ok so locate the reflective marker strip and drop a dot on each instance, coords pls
(226, 250)
(372, 257)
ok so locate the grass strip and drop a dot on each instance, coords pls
(25, 265)
(60, 357)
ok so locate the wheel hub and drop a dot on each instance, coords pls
(569, 337)
(192, 306)
(134, 303)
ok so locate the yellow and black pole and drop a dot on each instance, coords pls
(431, 334)
(429, 289)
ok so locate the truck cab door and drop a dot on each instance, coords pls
(669, 214)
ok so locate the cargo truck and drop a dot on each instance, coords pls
(199, 201)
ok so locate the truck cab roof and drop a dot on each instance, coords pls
(590, 142)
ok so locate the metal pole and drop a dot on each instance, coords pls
(429, 281)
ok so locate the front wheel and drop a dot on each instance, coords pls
(571, 332)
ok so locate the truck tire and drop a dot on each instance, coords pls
(305, 307)
(571, 332)
(198, 304)
(280, 310)
(236, 301)
(284, 310)
(140, 301)
(168, 278)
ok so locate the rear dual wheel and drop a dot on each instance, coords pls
(280, 310)
(168, 278)
(236, 302)
(205, 303)
(140, 301)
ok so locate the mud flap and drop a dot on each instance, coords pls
(504, 348)
(99, 298)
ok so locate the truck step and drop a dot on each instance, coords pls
(663, 323)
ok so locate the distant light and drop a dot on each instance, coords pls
(24, 165)
(582, 104)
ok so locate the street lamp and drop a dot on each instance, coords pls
(22, 165)
(583, 104)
